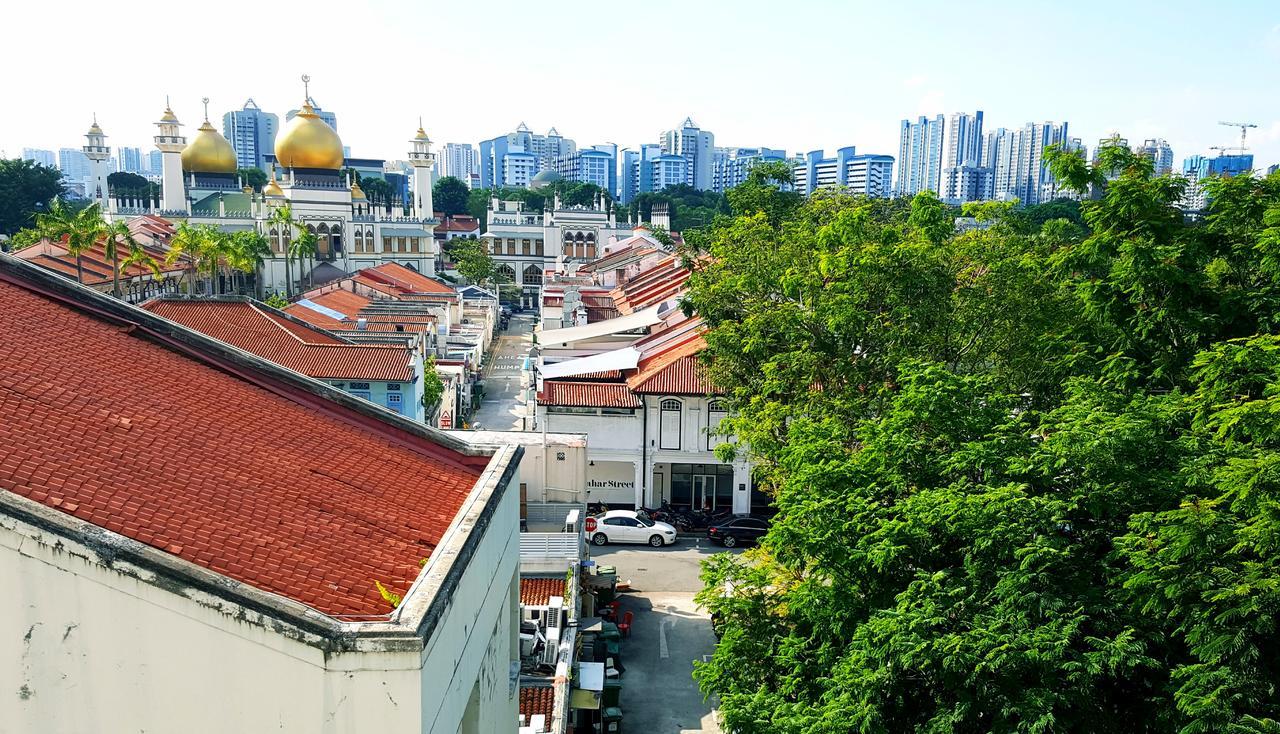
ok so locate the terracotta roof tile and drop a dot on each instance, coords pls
(311, 351)
(587, 395)
(170, 448)
(673, 370)
(537, 592)
(537, 700)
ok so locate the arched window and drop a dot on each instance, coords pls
(277, 244)
(506, 274)
(669, 425)
(715, 413)
(322, 240)
(359, 240)
(532, 275)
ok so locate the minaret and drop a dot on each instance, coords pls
(423, 162)
(96, 150)
(173, 193)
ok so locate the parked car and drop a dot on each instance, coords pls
(737, 529)
(626, 526)
(506, 312)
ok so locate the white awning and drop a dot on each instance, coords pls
(569, 335)
(617, 359)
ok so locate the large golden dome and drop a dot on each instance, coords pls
(209, 152)
(309, 142)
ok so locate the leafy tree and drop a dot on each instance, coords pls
(254, 177)
(277, 301)
(202, 246)
(450, 196)
(432, 386)
(125, 182)
(472, 259)
(245, 253)
(1025, 476)
(378, 191)
(26, 189)
(303, 249)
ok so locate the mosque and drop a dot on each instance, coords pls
(201, 185)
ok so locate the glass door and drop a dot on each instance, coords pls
(704, 492)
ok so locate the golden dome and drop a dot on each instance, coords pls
(209, 152)
(95, 130)
(309, 142)
(357, 193)
(168, 115)
(422, 135)
(272, 188)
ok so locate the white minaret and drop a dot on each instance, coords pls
(173, 193)
(423, 161)
(96, 150)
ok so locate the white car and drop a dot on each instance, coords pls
(625, 526)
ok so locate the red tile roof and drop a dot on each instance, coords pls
(537, 700)
(402, 280)
(538, 592)
(587, 395)
(662, 282)
(94, 263)
(313, 352)
(673, 370)
(154, 436)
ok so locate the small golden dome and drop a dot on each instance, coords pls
(209, 152)
(309, 142)
(357, 193)
(272, 188)
(422, 135)
(168, 115)
(95, 130)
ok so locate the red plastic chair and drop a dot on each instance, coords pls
(625, 625)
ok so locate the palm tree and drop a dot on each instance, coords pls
(81, 229)
(282, 217)
(138, 256)
(117, 233)
(203, 245)
(247, 252)
(185, 241)
(304, 246)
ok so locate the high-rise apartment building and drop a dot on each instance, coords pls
(525, 146)
(41, 156)
(590, 165)
(73, 163)
(647, 170)
(731, 166)
(457, 160)
(252, 133)
(129, 160)
(697, 147)
(869, 175)
(155, 163)
(920, 156)
(1017, 159)
(1160, 153)
(963, 176)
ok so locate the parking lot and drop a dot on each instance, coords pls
(659, 695)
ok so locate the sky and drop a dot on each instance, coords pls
(800, 75)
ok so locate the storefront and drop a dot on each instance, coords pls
(702, 486)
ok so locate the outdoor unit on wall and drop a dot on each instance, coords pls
(551, 652)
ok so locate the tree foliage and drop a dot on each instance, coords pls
(1027, 477)
(450, 195)
(26, 189)
(472, 259)
(254, 177)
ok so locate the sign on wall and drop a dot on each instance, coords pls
(611, 475)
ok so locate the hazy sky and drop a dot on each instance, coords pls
(797, 75)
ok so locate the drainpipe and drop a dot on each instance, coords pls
(644, 447)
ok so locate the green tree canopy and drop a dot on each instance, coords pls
(26, 189)
(254, 177)
(124, 182)
(450, 195)
(472, 259)
(1025, 476)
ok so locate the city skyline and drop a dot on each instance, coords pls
(1181, 98)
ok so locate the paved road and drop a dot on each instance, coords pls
(504, 399)
(659, 695)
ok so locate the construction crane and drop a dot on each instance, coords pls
(1244, 129)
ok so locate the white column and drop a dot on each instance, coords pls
(640, 488)
(741, 488)
(173, 194)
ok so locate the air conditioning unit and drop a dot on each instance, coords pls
(552, 650)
